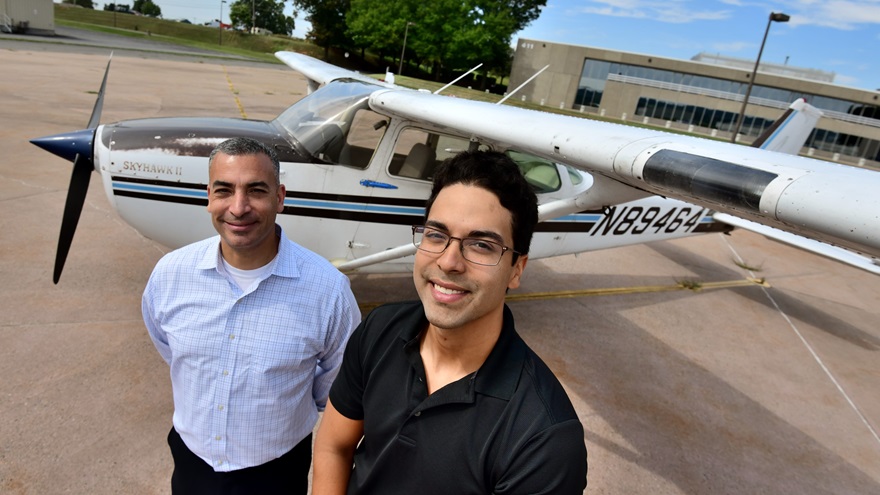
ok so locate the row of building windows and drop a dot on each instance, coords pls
(820, 139)
(595, 73)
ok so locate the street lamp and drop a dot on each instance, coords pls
(220, 24)
(405, 31)
(774, 17)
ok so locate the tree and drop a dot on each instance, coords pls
(446, 34)
(266, 14)
(380, 26)
(147, 7)
(328, 22)
(88, 4)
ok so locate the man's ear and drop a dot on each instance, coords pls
(282, 191)
(516, 273)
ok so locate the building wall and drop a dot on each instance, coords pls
(557, 87)
(39, 14)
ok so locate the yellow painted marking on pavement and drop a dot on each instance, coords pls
(695, 286)
(234, 94)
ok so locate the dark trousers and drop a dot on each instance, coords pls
(289, 474)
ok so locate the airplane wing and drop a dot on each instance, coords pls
(319, 72)
(820, 248)
(832, 203)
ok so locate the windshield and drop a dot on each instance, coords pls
(320, 121)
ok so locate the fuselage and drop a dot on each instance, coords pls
(356, 181)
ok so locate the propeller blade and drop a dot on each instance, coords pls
(76, 198)
(99, 103)
(82, 144)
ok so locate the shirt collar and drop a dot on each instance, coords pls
(499, 374)
(284, 264)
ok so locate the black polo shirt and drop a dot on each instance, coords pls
(507, 428)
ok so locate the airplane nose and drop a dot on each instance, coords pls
(68, 144)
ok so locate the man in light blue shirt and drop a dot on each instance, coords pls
(253, 327)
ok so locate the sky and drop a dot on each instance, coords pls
(839, 36)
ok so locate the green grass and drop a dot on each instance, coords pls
(233, 42)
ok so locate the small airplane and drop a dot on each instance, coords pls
(358, 154)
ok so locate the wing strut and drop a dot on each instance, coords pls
(536, 74)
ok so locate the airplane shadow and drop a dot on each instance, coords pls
(673, 417)
(792, 305)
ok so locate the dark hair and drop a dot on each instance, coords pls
(247, 146)
(497, 173)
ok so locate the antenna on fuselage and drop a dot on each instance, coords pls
(502, 100)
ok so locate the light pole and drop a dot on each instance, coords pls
(774, 17)
(220, 24)
(405, 31)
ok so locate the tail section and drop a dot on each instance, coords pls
(790, 131)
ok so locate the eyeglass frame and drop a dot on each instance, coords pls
(504, 249)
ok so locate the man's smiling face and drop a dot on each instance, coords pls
(455, 292)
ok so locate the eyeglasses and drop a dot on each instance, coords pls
(474, 249)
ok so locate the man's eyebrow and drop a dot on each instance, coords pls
(483, 234)
(222, 183)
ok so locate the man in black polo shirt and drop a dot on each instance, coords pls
(442, 395)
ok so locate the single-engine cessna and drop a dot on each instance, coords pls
(357, 157)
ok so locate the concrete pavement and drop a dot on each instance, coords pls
(746, 389)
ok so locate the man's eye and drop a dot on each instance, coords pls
(481, 245)
(434, 236)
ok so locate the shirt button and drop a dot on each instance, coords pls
(232, 337)
(225, 372)
(218, 437)
(417, 413)
(220, 407)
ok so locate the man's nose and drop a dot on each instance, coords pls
(240, 204)
(452, 259)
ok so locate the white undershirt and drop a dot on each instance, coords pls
(246, 278)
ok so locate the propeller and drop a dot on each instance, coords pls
(78, 147)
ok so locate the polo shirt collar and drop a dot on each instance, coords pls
(284, 264)
(499, 374)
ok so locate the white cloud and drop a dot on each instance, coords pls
(671, 11)
(837, 14)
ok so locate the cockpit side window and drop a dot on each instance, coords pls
(418, 152)
(335, 125)
(364, 134)
(574, 175)
(541, 174)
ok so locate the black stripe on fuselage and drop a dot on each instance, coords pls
(356, 216)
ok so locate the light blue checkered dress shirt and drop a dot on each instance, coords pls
(249, 370)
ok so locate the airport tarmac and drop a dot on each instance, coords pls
(734, 388)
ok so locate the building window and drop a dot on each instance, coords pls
(595, 73)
